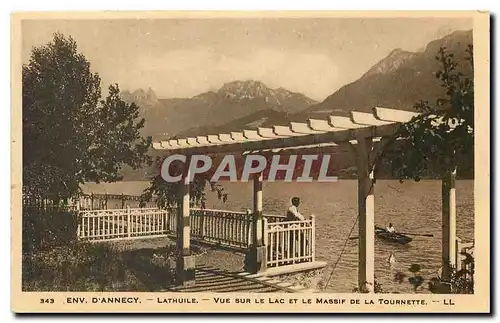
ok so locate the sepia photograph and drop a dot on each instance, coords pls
(210, 160)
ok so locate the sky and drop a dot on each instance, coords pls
(185, 57)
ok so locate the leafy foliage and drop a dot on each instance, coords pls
(70, 134)
(98, 267)
(168, 194)
(48, 228)
(441, 137)
(460, 282)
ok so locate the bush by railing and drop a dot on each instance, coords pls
(48, 227)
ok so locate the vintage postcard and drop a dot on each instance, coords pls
(332, 162)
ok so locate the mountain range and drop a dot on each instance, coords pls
(234, 100)
(398, 81)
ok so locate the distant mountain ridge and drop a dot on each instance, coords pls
(140, 97)
(392, 62)
(398, 81)
(168, 117)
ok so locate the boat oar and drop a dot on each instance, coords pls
(408, 233)
(411, 234)
(417, 234)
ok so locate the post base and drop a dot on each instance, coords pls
(185, 271)
(256, 259)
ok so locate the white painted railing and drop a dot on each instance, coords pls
(274, 218)
(229, 228)
(289, 242)
(97, 225)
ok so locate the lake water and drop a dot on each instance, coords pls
(410, 206)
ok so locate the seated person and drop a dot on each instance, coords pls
(390, 228)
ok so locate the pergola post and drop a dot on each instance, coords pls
(366, 214)
(185, 261)
(256, 258)
(449, 228)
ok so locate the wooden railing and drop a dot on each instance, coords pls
(98, 225)
(289, 242)
(222, 227)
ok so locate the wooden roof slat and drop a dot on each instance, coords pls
(238, 136)
(367, 119)
(252, 134)
(285, 131)
(183, 142)
(164, 144)
(174, 143)
(343, 123)
(203, 140)
(214, 139)
(226, 138)
(321, 125)
(299, 127)
(266, 132)
(192, 141)
(393, 115)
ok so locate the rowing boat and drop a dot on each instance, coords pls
(392, 237)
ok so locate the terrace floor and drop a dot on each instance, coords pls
(209, 279)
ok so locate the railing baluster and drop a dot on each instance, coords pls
(93, 226)
(129, 227)
(313, 238)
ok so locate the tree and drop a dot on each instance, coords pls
(169, 194)
(441, 137)
(70, 134)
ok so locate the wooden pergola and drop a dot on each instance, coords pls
(363, 133)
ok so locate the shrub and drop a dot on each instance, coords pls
(48, 228)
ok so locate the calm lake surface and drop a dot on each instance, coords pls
(410, 206)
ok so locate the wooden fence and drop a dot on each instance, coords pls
(114, 224)
(109, 201)
(289, 242)
(89, 202)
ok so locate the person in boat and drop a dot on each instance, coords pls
(293, 214)
(390, 228)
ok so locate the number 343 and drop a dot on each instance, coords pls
(46, 301)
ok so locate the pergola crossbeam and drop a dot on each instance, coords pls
(337, 129)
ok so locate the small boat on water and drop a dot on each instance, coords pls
(392, 237)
